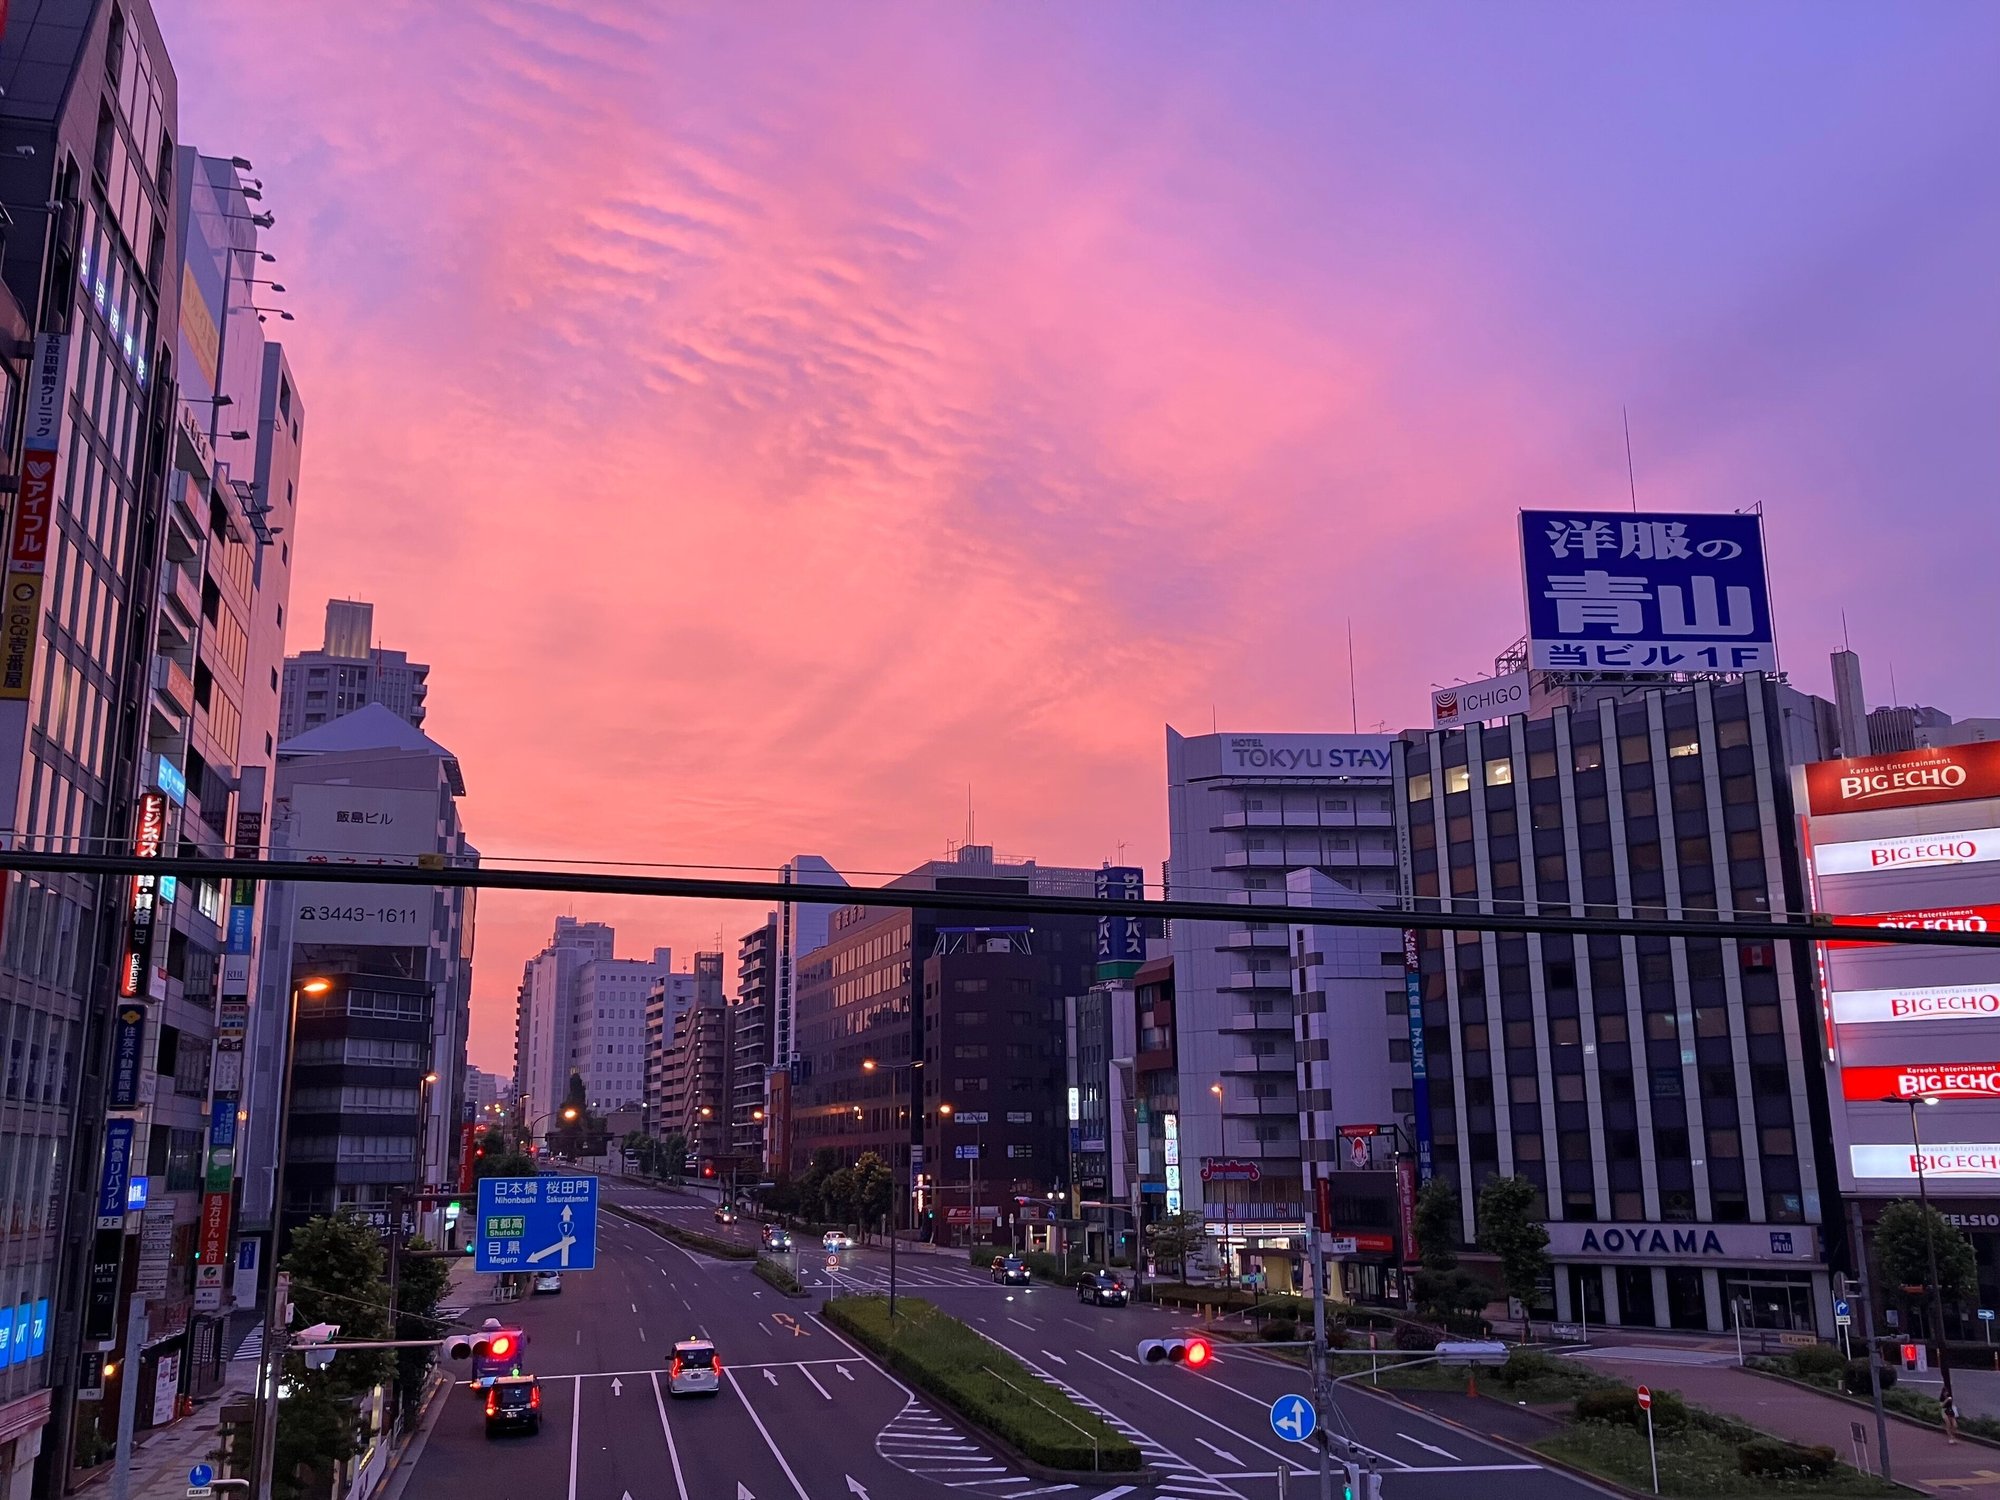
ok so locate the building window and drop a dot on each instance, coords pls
(1682, 742)
(1500, 772)
(1587, 755)
(1457, 779)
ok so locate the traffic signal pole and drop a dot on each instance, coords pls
(1322, 1391)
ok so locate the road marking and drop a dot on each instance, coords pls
(635, 1307)
(815, 1384)
(673, 1453)
(575, 1429)
(1427, 1447)
(842, 1369)
(642, 1335)
(764, 1432)
(1225, 1428)
(1019, 1324)
(617, 1386)
(765, 1331)
(1226, 1456)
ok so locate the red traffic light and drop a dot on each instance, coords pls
(1197, 1353)
(502, 1345)
(708, 1171)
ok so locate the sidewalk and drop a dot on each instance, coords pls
(1917, 1455)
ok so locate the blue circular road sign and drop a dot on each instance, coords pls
(1293, 1417)
(1840, 1309)
(200, 1475)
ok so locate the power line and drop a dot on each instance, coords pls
(1433, 917)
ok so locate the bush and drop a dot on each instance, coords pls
(778, 1275)
(1774, 1458)
(1414, 1337)
(1619, 1407)
(1855, 1377)
(1820, 1361)
(981, 1381)
(1524, 1365)
(1279, 1331)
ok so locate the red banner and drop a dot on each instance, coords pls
(466, 1139)
(1926, 919)
(1973, 1080)
(214, 1248)
(1909, 778)
(1406, 1205)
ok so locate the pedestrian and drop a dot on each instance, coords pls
(1948, 1409)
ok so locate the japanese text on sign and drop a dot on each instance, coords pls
(1646, 593)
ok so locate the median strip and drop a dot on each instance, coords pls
(690, 1239)
(957, 1365)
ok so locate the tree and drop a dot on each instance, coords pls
(874, 1189)
(572, 1124)
(1175, 1238)
(1510, 1230)
(839, 1195)
(1904, 1255)
(812, 1185)
(336, 1267)
(421, 1284)
(1442, 1286)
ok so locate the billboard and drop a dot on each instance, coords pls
(1961, 846)
(1619, 592)
(353, 825)
(1978, 1080)
(1475, 702)
(34, 516)
(1921, 919)
(1121, 941)
(1910, 778)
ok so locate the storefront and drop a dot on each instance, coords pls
(1696, 1277)
(1268, 1255)
(21, 1424)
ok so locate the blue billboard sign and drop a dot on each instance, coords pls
(128, 1054)
(242, 928)
(111, 1184)
(170, 781)
(1420, 1068)
(222, 1120)
(38, 1335)
(1120, 940)
(1612, 592)
(536, 1224)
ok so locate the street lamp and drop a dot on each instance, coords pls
(1930, 1239)
(264, 1440)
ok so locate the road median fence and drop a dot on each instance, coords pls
(958, 1366)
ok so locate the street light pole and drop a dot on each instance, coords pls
(1930, 1246)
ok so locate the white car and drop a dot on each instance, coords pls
(548, 1281)
(696, 1370)
(833, 1241)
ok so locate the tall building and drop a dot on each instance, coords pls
(1244, 813)
(750, 1041)
(697, 1075)
(349, 672)
(379, 1068)
(546, 1015)
(670, 995)
(1660, 1092)
(802, 929)
(608, 1026)
(91, 263)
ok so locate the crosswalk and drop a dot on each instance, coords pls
(1183, 1478)
(874, 1278)
(920, 1442)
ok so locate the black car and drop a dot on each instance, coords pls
(514, 1404)
(1010, 1270)
(1102, 1288)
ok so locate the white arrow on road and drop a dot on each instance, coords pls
(771, 1376)
(843, 1372)
(743, 1492)
(617, 1386)
(1222, 1453)
(1056, 1357)
(854, 1487)
(1428, 1447)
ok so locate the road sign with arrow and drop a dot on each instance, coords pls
(537, 1224)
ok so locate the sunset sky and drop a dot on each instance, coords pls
(770, 420)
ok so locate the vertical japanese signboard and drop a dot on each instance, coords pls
(1612, 592)
(34, 517)
(1420, 1073)
(1121, 941)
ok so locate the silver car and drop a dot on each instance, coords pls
(696, 1370)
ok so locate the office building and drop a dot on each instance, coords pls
(1661, 1093)
(608, 1026)
(381, 1066)
(889, 987)
(665, 1000)
(750, 1041)
(350, 672)
(546, 1013)
(802, 929)
(698, 1071)
(1244, 813)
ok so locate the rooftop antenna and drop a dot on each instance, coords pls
(1895, 698)
(969, 824)
(1214, 724)
(1845, 643)
(1631, 477)
(1353, 702)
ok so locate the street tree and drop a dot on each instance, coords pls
(839, 1194)
(1443, 1286)
(874, 1189)
(1177, 1236)
(421, 1284)
(336, 1266)
(1904, 1255)
(1510, 1229)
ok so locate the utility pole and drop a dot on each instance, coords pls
(1868, 1334)
(271, 1366)
(1322, 1393)
(128, 1397)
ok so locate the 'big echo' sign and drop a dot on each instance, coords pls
(1910, 778)
(1925, 919)
(1944, 1002)
(1974, 1080)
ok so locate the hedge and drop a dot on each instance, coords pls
(982, 1382)
(692, 1239)
(779, 1275)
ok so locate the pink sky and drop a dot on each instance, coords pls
(770, 421)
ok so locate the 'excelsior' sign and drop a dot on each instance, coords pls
(1909, 778)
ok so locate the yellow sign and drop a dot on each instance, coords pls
(197, 326)
(20, 620)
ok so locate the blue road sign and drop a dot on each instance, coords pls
(1293, 1417)
(1986, 1315)
(1841, 1309)
(200, 1474)
(544, 1223)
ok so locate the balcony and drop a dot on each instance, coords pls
(1260, 979)
(1281, 1060)
(179, 587)
(1259, 1020)
(1243, 937)
(1254, 859)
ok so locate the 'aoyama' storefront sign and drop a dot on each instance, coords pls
(1937, 1002)
(1961, 1161)
(1651, 1243)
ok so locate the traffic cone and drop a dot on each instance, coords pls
(1472, 1382)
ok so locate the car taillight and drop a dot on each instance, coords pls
(535, 1399)
(676, 1370)
(492, 1402)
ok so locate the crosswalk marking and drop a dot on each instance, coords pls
(919, 1442)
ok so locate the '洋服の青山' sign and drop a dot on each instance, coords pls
(1967, 846)
(1942, 1002)
(1972, 1080)
(1909, 778)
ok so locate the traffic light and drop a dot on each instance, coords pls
(488, 1343)
(314, 1343)
(1194, 1353)
(708, 1169)
(1361, 1484)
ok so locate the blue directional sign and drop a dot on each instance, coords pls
(200, 1475)
(543, 1223)
(1842, 1314)
(1293, 1417)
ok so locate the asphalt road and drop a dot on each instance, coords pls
(1208, 1430)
